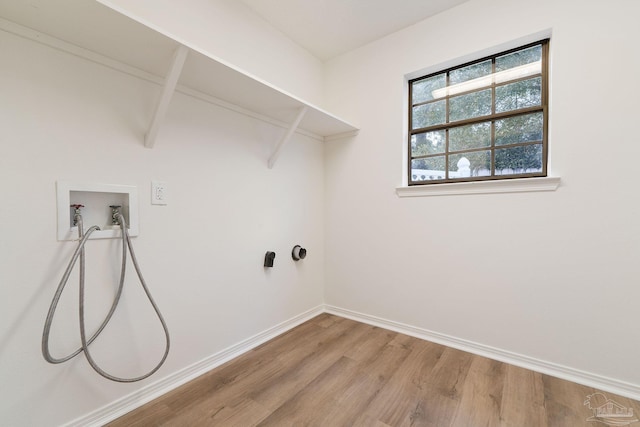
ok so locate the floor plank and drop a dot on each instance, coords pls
(332, 371)
(522, 399)
(481, 394)
(394, 404)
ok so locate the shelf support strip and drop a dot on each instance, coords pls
(170, 83)
(287, 136)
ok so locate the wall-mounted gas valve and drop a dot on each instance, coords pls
(298, 253)
(268, 259)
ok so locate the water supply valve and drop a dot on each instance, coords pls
(115, 214)
(75, 212)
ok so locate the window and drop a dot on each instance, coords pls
(483, 120)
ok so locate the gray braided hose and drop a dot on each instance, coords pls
(79, 254)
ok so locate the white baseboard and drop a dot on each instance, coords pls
(588, 379)
(146, 394)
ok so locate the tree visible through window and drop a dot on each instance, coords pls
(482, 120)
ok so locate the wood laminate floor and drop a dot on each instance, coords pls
(332, 371)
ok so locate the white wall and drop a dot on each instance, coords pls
(64, 118)
(552, 276)
(231, 32)
(548, 275)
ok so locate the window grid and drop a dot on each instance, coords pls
(491, 118)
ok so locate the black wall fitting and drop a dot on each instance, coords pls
(268, 259)
(298, 253)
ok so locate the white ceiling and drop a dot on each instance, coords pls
(328, 28)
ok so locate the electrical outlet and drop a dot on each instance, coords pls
(158, 193)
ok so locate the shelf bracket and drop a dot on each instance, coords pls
(170, 82)
(287, 136)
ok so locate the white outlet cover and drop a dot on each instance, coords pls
(159, 194)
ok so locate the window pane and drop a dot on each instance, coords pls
(422, 90)
(428, 143)
(519, 160)
(428, 115)
(470, 136)
(514, 130)
(519, 58)
(470, 72)
(475, 163)
(471, 105)
(429, 169)
(522, 94)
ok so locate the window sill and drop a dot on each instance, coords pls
(481, 187)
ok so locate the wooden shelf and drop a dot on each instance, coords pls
(98, 33)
